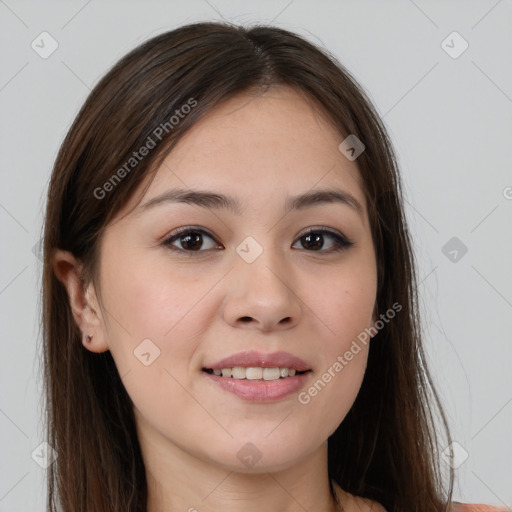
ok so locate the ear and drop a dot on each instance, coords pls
(83, 302)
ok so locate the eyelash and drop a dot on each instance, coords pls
(341, 243)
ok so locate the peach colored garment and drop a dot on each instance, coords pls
(467, 507)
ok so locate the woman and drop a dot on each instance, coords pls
(229, 291)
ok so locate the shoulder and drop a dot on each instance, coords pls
(358, 504)
(367, 505)
(467, 507)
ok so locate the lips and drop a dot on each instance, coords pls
(252, 375)
(260, 391)
(254, 359)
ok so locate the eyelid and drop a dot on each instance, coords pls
(186, 229)
(320, 228)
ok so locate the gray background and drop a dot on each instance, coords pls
(449, 118)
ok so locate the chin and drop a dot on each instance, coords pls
(261, 455)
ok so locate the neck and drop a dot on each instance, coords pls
(179, 481)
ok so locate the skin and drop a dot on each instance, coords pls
(259, 148)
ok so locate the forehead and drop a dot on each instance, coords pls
(260, 146)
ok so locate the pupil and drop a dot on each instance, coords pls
(317, 240)
(191, 241)
(194, 241)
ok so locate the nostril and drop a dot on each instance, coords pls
(246, 319)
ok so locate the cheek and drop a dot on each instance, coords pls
(335, 385)
(330, 396)
(159, 323)
(151, 301)
(346, 309)
(345, 304)
(351, 312)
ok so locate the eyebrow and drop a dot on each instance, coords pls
(213, 200)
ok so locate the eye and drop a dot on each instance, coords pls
(190, 239)
(314, 239)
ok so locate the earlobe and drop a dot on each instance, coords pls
(83, 303)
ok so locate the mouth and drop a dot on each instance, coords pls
(254, 373)
(257, 377)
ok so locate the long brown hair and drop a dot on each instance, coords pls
(386, 448)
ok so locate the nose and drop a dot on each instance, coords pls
(262, 295)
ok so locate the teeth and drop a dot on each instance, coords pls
(237, 373)
(253, 373)
(271, 373)
(256, 373)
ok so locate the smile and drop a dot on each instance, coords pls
(254, 373)
(254, 387)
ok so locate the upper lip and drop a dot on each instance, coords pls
(253, 359)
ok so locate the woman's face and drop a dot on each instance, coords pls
(246, 282)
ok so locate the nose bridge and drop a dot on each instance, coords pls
(262, 264)
(263, 285)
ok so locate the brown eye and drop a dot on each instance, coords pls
(192, 241)
(314, 241)
(189, 240)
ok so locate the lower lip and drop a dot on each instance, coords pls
(260, 390)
